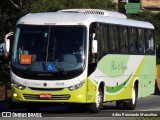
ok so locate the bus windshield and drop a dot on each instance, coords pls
(49, 48)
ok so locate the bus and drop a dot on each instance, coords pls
(82, 57)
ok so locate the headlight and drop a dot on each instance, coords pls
(71, 88)
(18, 86)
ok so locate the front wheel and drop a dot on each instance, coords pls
(131, 103)
(95, 107)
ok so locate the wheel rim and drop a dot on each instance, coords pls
(133, 96)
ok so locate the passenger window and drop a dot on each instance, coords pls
(103, 38)
(113, 37)
(149, 41)
(123, 39)
(133, 40)
(141, 41)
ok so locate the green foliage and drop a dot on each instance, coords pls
(148, 118)
(12, 10)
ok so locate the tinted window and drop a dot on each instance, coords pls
(141, 41)
(149, 41)
(113, 38)
(133, 40)
(123, 39)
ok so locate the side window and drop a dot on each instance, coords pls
(133, 40)
(100, 39)
(123, 39)
(103, 38)
(141, 41)
(113, 37)
(149, 41)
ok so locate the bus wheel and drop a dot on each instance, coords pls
(120, 104)
(95, 107)
(131, 104)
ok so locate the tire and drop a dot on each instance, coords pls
(157, 90)
(95, 107)
(120, 104)
(131, 103)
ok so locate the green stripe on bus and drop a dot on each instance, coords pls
(117, 88)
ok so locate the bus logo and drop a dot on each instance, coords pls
(45, 84)
(50, 67)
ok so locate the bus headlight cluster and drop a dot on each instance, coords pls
(18, 86)
(71, 88)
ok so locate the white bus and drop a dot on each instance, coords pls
(83, 57)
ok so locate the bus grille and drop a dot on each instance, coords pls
(46, 89)
(53, 97)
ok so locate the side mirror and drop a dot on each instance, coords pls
(8, 41)
(5, 46)
(94, 46)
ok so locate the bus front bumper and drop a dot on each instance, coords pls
(62, 96)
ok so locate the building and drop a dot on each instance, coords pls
(151, 5)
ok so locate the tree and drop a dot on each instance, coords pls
(12, 10)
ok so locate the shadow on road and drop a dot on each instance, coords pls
(7, 106)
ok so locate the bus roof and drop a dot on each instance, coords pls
(72, 18)
(96, 12)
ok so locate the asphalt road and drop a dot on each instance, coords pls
(147, 106)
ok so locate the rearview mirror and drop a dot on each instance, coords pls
(8, 41)
(5, 46)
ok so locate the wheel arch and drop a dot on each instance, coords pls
(103, 89)
(137, 85)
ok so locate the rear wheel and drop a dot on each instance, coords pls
(95, 107)
(131, 104)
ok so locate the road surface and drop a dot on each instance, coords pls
(149, 106)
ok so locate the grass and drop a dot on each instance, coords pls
(149, 118)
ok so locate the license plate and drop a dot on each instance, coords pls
(45, 96)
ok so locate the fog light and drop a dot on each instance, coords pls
(79, 96)
(15, 95)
